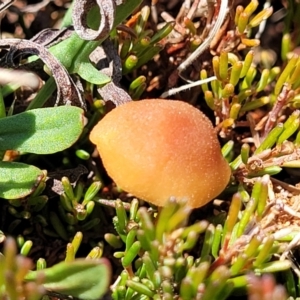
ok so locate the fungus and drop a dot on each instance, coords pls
(156, 149)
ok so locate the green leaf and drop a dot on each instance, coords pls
(43, 130)
(18, 180)
(90, 74)
(74, 52)
(81, 278)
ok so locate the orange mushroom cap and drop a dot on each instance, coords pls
(156, 149)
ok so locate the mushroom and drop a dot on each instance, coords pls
(157, 149)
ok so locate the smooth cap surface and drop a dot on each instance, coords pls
(156, 149)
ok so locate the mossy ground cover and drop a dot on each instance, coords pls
(236, 61)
